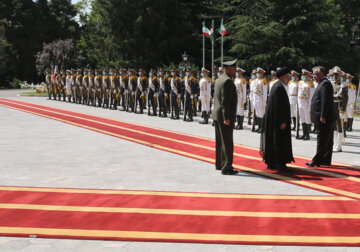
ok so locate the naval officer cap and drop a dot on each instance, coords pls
(282, 71)
(231, 63)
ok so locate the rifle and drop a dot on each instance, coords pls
(249, 109)
(297, 121)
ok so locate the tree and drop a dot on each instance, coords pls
(61, 53)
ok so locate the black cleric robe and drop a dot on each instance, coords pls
(275, 144)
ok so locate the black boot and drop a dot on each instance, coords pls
(304, 128)
(351, 120)
(307, 132)
(294, 122)
(259, 123)
(241, 122)
(314, 130)
(345, 128)
(206, 120)
(238, 122)
(185, 113)
(202, 116)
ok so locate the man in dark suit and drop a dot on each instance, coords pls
(322, 114)
(224, 114)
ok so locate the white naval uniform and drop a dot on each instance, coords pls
(251, 94)
(68, 84)
(306, 91)
(293, 96)
(271, 84)
(351, 100)
(205, 93)
(240, 84)
(260, 96)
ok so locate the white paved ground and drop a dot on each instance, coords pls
(36, 151)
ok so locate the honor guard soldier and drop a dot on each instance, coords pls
(205, 95)
(251, 108)
(163, 93)
(293, 86)
(260, 96)
(305, 93)
(85, 87)
(340, 102)
(54, 83)
(240, 84)
(62, 83)
(73, 85)
(106, 88)
(175, 95)
(68, 84)
(124, 80)
(273, 80)
(114, 89)
(132, 85)
(140, 91)
(91, 96)
(98, 88)
(48, 82)
(153, 92)
(182, 93)
(351, 102)
(190, 83)
(78, 82)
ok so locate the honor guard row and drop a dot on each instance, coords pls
(162, 92)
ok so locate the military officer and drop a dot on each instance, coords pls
(260, 96)
(351, 102)
(124, 80)
(140, 90)
(73, 85)
(62, 82)
(132, 85)
(115, 101)
(68, 84)
(164, 90)
(251, 108)
(305, 93)
(98, 88)
(340, 102)
(78, 83)
(175, 95)
(91, 95)
(273, 80)
(54, 83)
(85, 86)
(240, 84)
(205, 94)
(153, 90)
(48, 82)
(106, 88)
(293, 86)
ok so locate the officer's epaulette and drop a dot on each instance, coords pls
(100, 76)
(177, 78)
(155, 78)
(353, 86)
(349, 84)
(264, 81)
(299, 82)
(143, 78)
(311, 83)
(208, 79)
(192, 78)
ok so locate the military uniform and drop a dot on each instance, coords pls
(305, 93)
(106, 89)
(190, 96)
(251, 99)
(98, 88)
(351, 102)
(164, 90)
(273, 80)
(68, 84)
(48, 83)
(124, 80)
(340, 102)
(153, 92)
(73, 85)
(175, 95)
(85, 87)
(240, 84)
(92, 88)
(141, 91)
(260, 96)
(293, 86)
(78, 83)
(132, 84)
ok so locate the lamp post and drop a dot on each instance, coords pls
(185, 64)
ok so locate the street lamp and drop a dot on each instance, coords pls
(185, 64)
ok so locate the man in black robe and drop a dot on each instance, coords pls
(276, 148)
(322, 114)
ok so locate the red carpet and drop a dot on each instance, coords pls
(258, 220)
(179, 217)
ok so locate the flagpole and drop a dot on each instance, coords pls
(222, 45)
(212, 49)
(203, 46)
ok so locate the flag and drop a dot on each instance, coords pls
(211, 34)
(205, 31)
(55, 73)
(222, 29)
